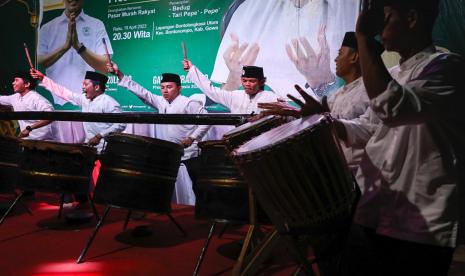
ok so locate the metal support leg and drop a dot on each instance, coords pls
(62, 202)
(94, 210)
(126, 221)
(204, 249)
(92, 237)
(258, 255)
(177, 225)
(223, 230)
(253, 235)
(11, 207)
(24, 206)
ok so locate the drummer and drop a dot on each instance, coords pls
(410, 217)
(26, 98)
(93, 99)
(348, 102)
(238, 101)
(171, 102)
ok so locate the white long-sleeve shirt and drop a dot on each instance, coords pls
(31, 101)
(100, 104)
(237, 101)
(412, 173)
(180, 105)
(350, 102)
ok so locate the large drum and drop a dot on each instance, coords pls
(299, 176)
(10, 149)
(138, 172)
(8, 127)
(221, 191)
(243, 133)
(55, 167)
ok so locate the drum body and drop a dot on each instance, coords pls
(138, 172)
(221, 193)
(10, 149)
(8, 127)
(243, 133)
(55, 167)
(299, 176)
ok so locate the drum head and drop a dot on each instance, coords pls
(59, 147)
(138, 140)
(211, 144)
(280, 134)
(250, 125)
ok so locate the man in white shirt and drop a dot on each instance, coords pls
(348, 102)
(26, 98)
(171, 102)
(93, 99)
(411, 212)
(238, 101)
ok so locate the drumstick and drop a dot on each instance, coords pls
(106, 50)
(184, 52)
(27, 55)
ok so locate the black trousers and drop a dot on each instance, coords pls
(370, 254)
(193, 167)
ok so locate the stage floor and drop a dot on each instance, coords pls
(42, 245)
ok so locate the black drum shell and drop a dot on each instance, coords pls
(138, 173)
(55, 167)
(10, 150)
(221, 192)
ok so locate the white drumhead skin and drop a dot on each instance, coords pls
(279, 134)
(248, 125)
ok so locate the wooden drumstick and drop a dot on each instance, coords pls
(184, 52)
(27, 55)
(106, 50)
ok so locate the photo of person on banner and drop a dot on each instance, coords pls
(71, 44)
(296, 40)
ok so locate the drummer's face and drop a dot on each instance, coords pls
(73, 5)
(19, 85)
(170, 90)
(344, 60)
(252, 85)
(90, 89)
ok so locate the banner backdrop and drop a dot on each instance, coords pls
(146, 37)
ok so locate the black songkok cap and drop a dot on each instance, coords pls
(350, 40)
(422, 5)
(26, 76)
(170, 77)
(253, 72)
(95, 76)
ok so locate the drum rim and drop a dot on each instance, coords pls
(319, 119)
(252, 126)
(132, 138)
(211, 143)
(61, 147)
